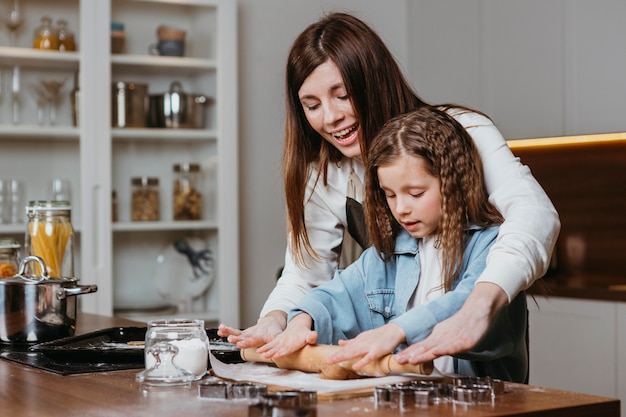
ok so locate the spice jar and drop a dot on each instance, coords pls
(9, 257)
(187, 199)
(46, 37)
(66, 38)
(50, 235)
(145, 199)
(118, 37)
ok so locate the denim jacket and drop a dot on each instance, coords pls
(371, 292)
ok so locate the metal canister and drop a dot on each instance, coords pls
(129, 104)
(50, 236)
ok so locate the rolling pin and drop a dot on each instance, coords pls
(312, 358)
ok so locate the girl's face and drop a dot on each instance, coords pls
(413, 194)
(329, 110)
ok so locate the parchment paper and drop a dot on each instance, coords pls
(268, 374)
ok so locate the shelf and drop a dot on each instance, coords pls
(35, 58)
(34, 132)
(163, 64)
(163, 226)
(163, 134)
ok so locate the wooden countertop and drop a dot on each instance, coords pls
(26, 391)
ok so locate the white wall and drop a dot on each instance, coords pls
(537, 67)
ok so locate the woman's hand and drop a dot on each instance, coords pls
(267, 328)
(462, 331)
(369, 345)
(297, 335)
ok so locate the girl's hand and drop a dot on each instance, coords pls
(266, 329)
(369, 346)
(297, 335)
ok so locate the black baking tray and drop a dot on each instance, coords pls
(112, 345)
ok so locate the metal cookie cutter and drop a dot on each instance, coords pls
(217, 389)
(285, 404)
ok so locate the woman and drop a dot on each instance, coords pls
(431, 225)
(343, 85)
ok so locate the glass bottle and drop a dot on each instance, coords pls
(50, 235)
(46, 37)
(66, 38)
(187, 198)
(145, 199)
(9, 257)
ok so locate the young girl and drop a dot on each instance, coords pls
(343, 84)
(432, 225)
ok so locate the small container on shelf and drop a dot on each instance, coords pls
(145, 199)
(66, 38)
(118, 37)
(45, 36)
(9, 257)
(114, 212)
(187, 203)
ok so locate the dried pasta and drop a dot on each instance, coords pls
(49, 241)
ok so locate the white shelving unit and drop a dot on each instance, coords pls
(121, 257)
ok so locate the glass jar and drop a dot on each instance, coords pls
(190, 341)
(50, 235)
(9, 257)
(46, 37)
(66, 38)
(118, 37)
(187, 201)
(145, 199)
(114, 212)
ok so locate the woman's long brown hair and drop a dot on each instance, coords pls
(451, 156)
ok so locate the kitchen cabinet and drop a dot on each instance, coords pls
(578, 345)
(128, 260)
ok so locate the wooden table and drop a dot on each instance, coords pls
(26, 391)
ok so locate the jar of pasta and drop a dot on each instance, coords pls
(145, 199)
(9, 257)
(187, 197)
(50, 235)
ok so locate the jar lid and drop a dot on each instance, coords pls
(48, 205)
(8, 243)
(144, 181)
(187, 167)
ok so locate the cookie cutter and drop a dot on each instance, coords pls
(421, 394)
(217, 389)
(285, 404)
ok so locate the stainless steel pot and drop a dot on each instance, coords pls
(177, 109)
(36, 309)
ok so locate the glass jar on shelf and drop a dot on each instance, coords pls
(50, 235)
(66, 38)
(45, 36)
(9, 257)
(145, 199)
(187, 203)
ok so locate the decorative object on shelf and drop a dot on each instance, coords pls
(129, 104)
(184, 272)
(11, 201)
(177, 109)
(46, 36)
(66, 37)
(187, 202)
(114, 206)
(9, 257)
(118, 37)
(48, 92)
(50, 236)
(59, 189)
(14, 21)
(170, 42)
(75, 100)
(15, 95)
(145, 199)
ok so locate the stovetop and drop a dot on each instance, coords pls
(21, 354)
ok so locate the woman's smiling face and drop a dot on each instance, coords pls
(328, 109)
